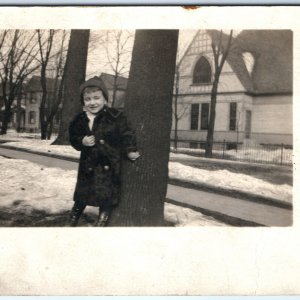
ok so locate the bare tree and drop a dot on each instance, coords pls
(220, 47)
(74, 75)
(149, 108)
(18, 60)
(117, 46)
(19, 109)
(50, 103)
(178, 113)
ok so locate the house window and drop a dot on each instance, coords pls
(32, 117)
(204, 116)
(194, 116)
(232, 116)
(202, 71)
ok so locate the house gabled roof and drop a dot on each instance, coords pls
(234, 58)
(34, 84)
(273, 54)
(109, 81)
(273, 59)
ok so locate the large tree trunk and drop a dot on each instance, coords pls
(75, 76)
(149, 108)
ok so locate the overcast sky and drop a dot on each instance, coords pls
(97, 58)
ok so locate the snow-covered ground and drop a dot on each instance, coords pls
(51, 191)
(221, 178)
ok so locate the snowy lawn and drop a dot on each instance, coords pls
(34, 195)
(220, 178)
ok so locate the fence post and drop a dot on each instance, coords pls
(224, 143)
(281, 158)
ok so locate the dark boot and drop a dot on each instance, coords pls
(75, 215)
(103, 218)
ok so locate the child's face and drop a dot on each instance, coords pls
(93, 101)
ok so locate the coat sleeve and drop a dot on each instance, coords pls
(76, 134)
(127, 135)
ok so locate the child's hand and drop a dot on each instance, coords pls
(133, 155)
(88, 141)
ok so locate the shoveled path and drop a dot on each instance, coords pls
(232, 210)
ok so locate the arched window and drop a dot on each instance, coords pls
(202, 71)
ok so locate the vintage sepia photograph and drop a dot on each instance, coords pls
(146, 127)
(149, 151)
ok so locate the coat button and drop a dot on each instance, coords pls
(90, 169)
(102, 142)
(106, 168)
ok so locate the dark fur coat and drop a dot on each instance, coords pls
(98, 181)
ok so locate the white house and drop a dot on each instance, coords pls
(254, 101)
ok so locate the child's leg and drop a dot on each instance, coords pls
(76, 212)
(104, 214)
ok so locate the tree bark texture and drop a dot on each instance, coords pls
(148, 107)
(75, 76)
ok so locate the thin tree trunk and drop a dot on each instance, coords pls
(114, 91)
(218, 52)
(212, 117)
(19, 112)
(149, 108)
(176, 134)
(50, 129)
(42, 106)
(6, 119)
(176, 115)
(75, 75)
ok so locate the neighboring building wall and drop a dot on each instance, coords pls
(32, 124)
(272, 119)
(120, 95)
(222, 130)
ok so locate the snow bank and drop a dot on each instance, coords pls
(181, 216)
(26, 186)
(229, 180)
(44, 146)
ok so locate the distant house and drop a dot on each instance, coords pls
(33, 92)
(254, 102)
(20, 97)
(120, 86)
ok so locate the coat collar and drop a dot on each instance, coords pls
(111, 113)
